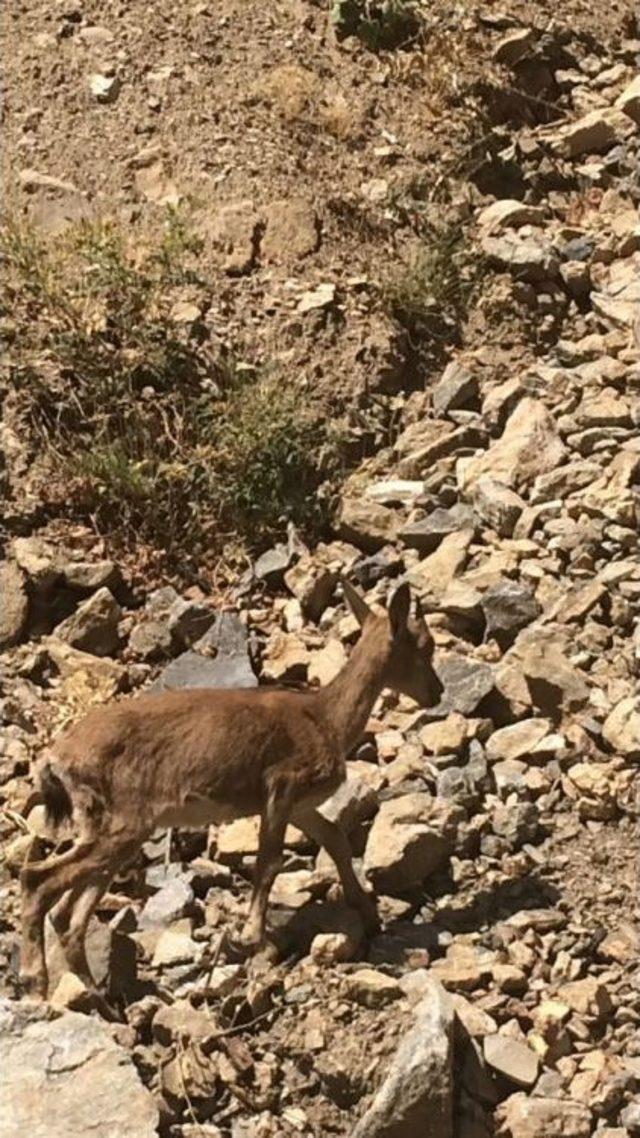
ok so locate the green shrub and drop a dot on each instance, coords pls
(139, 423)
(381, 25)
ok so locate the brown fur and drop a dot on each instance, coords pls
(205, 756)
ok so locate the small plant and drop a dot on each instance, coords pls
(437, 280)
(138, 424)
(381, 25)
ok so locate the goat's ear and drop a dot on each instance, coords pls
(356, 603)
(399, 609)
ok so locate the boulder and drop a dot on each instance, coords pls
(67, 1078)
(529, 446)
(508, 607)
(517, 740)
(432, 576)
(509, 214)
(93, 627)
(416, 1096)
(466, 683)
(497, 505)
(426, 534)
(457, 388)
(411, 837)
(14, 604)
(367, 525)
(514, 1060)
(621, 728)
(226, 640)
(629, 101)
(525, 1116)
(292, 231)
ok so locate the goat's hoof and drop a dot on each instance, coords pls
(35, 985)
(369, 914)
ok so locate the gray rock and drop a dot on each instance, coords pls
(188, 621)
(231, 667)
(14, 604)
(630, 1117)
(385, 563)
(416, 1096)
(312, 584)
(497, 505)
(170, 903)
(354, 801)
(93, 627)
(67, 1078)
(517, 824)
(466, 683)
(151, 640)
(271, 566)
(525, 252)
(508, 607)
(457, 388)
(426, 534)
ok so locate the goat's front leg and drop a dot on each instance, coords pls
(272, 830)
(328, 834)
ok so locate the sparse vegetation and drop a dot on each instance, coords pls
(137, 420)
(429, 293)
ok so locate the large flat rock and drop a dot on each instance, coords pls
(67, 1078)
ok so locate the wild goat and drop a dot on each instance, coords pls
(191, 758)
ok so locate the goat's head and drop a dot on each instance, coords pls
(410, 663)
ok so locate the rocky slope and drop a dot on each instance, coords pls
(499, 829)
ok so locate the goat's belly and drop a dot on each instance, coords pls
(196, 812)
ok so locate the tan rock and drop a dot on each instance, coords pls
(596, 131)
(509, 214)
(446, 736)
(598, 780)
(464, 968)
(325, 664)
(14, 604)
(368, 525)
(432, 576)
(514, 1060)
(621, 945)
(371, 988)
(629, 101)
(621, 728)
(292, 231)
(526, 1116)
(587, 997)
(286, 657)
(232, 231)
(71, 992)
(529, 446)
(518, 740)
(474, 1020)
(410, 839)
(332, 948)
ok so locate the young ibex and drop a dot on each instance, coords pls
(191, 758)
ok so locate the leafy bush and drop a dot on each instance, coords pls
(140, 424)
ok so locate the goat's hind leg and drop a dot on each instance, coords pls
(329, 835)
(41, 884)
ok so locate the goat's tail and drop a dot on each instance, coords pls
(57, 800)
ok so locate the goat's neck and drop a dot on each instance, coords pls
(349, 698)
